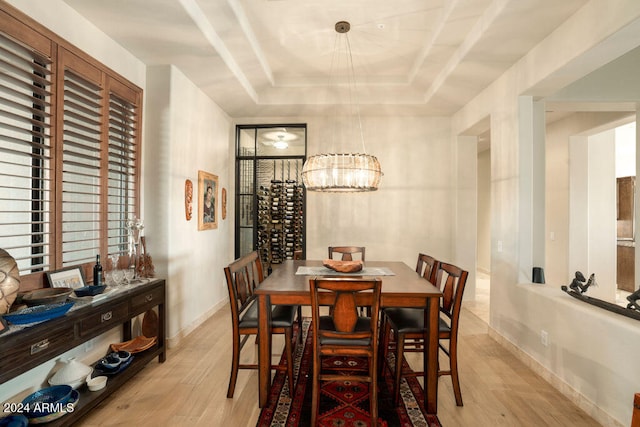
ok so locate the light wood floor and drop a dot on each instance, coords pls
(189, 389)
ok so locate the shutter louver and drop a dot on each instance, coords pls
(25, 155)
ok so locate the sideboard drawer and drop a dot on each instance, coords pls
(146, 300)
(104, 319)
(32, 349)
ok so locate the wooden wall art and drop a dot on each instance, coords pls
(207, 199)
(188, 199)
(224, 203)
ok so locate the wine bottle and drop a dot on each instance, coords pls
(97, 272)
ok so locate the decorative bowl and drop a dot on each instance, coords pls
(123, 355)
(43, 400)
(46, 296)
(61, 410)
(14, 421)
(39, 313)
(73, 373)
(136, 345)
(89, 291)
(110, 361)
(343, 266)
(97, 383)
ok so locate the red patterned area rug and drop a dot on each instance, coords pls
(342, 403)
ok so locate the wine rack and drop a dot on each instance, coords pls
(280, 220)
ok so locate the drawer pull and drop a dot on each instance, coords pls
(149, 298)
(106, 316)
(39, 346)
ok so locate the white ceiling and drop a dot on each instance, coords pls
(274, 57)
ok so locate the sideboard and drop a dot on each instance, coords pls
(26, 348)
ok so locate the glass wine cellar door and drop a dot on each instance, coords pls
(270, 197)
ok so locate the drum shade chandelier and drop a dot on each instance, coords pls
(343, 172)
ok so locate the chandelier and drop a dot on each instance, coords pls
(343, 172)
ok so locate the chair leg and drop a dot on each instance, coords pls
(235, 362)
(373, 391)
(453, 365)
(299, 337)
(315, 391)
(288, 338)
(383, 351)
(398, 372)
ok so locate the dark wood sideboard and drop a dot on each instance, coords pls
(24, 349)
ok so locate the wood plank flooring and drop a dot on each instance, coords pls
(190, 388)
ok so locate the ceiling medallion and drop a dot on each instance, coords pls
(343, 172)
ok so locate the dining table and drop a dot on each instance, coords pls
(288, 284)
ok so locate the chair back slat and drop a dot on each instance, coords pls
(345, 312)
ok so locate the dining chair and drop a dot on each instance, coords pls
(427, 267)
(407, 327)
(347, 252)
(243, 276)
(345, 333)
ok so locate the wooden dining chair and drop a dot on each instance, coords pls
(243, 276)
(346, 252)
(427, 267)
(407, 327)
(345, 333)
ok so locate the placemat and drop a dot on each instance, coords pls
(304, 270)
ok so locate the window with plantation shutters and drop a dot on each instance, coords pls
(69, 152)
(25, 154)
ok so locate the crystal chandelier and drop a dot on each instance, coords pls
(343, 172)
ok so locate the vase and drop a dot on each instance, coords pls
(9, 281)
(134, 229)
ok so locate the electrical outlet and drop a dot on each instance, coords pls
(499, 245)
(544, 338)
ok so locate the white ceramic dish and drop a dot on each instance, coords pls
(97, 383)
(73, 373)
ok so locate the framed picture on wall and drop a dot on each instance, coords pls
(207, 201)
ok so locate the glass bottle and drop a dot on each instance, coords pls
(97, 272)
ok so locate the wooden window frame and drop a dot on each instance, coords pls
(64, 55)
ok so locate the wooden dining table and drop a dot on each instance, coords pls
(403, 288)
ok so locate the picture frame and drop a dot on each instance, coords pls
(207, 201)
(70, 277)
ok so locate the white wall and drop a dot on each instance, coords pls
(602, 377)
(186, 132)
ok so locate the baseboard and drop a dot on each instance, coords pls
(573, 395)
(174, 341)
